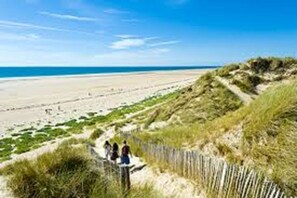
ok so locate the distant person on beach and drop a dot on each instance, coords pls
(115, 152)
(125, 153)
(107, 147)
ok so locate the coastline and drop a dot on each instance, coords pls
(41, 101)
(107, 74)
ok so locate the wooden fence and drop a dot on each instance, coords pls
(113, 171)
(217, 177)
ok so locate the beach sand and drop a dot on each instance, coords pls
(50, 100)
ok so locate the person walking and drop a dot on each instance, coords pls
(115, 152)
(107, 147)
(125, 153)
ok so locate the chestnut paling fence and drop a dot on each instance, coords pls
(111, 170)
(217, 177)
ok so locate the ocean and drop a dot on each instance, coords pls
(21, 72)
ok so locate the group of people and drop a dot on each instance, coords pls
(112, 152)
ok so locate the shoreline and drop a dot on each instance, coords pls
(5, 79)
(42, 101)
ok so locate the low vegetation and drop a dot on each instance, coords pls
(67, 172)
(258, 71)
(206, 100)
(96, 134)
(31, 138)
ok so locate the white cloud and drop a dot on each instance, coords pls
(127, 36)
(115, 11)
(69, 17)
(22, 37)
(128, 43)
(163, 43)
(31, 55)
(40, 27)
(33, 36)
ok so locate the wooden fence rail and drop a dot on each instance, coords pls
(114, 171)
(217, 177)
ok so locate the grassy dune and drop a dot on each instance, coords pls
(206, 100)
(259, 70)
(267, 141)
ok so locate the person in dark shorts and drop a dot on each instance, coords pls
(115, 152)
(125, 153)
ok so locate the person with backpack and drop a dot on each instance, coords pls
(125, 153)
(115, 152)
(107, 147)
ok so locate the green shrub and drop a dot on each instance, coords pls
(65, 173)
(225, 71)
(248, 83)
(91, 114)
(96, 134)
(152, 118)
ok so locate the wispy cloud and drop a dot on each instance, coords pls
(159, 51)
(40, 27)
(126, 36)
(115, 11)
(22, 37)
(128, 43)
(69, 17)
(164, 43)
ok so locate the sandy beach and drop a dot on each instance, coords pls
(50, 100)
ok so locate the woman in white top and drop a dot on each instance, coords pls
(107, 147)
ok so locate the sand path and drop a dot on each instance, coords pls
(245, 98)
(166, 183)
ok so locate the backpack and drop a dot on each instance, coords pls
(125, 150)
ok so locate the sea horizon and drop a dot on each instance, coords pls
(7, 72)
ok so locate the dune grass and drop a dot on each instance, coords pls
(270, 135)
(206, 100)
(67, 172)
(248, 83)
(269, 141)
(96, 134)
(225, 71)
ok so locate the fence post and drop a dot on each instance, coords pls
(125, 179)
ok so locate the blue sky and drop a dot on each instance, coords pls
(144, 32)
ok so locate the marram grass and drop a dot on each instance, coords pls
(67, 172)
